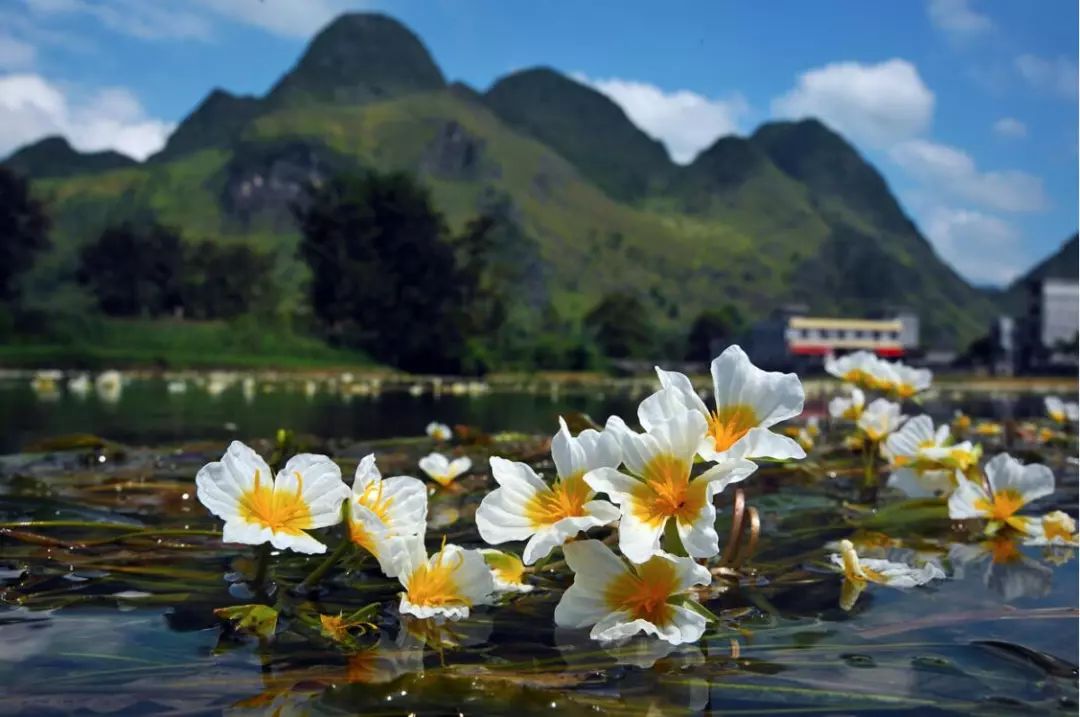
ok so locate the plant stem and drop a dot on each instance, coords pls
(869, 474)
(262, 566)
(316, 575)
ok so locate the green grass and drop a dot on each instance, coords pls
(178, 344)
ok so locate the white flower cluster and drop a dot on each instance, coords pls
(647, 483)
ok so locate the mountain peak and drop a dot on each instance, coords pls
(585, 126)
(217, 119)
(834, 171)
(54, 156)
(360, 57)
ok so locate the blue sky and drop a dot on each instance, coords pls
(968, 107)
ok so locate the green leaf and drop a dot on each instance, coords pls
(260, 620)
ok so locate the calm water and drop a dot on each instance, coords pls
(145, 412)
(106, 601)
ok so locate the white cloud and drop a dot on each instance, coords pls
(983, 248)
(878, 104)
(1010, 127)
(111, 118)
(948, 170)
(956, 19)
(148, 20)
(1056, 75)
(291, 18)
(684, 121)
(195, 19)
(14, 53)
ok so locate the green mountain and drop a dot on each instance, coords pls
(55, 157)
(215, 122)
(357, 58)
(792, 213)
(585, 127)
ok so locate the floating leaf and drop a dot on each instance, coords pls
(259, 620)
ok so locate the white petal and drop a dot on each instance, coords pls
(366, 474)
(900, 575)
(407, 511)
(762, 443)
(434, 464)
(925, 484)
(721, 475)
(501, 516)
(639, 540)
(459, 466)
(239, 531)
(220, 485)
(699, 537)
(299, 542)
(963, 499)
(774, 396)
(322, 487)
(594, 564)
(1032, 481)
(472, 577)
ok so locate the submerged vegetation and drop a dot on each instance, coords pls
(703, 553)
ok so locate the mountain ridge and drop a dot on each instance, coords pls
(791, 213)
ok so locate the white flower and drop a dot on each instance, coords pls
(256, 508)
(444, 471)
(907, 446)
(660, 487)
(1061, 411)
(747, 402)
(849, 408)
(958, 456)
(380, 510)
(860, 571)
(525, 507)
(922, 482)
(619, 600)
(439, 431)
(108, 386)
(447, 584)
(908, 381)
(1012, 486)
(507, 571)
(1054, 528)
(880, 418)
(862, 369)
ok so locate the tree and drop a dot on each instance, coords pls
(23, 231)
(134, 271)
(712, 330)
(383, 273)
(621, 326)
(222, 282)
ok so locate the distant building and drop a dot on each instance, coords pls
(793, 341)
(1047, 335)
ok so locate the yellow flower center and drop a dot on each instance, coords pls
(1004, 504)
(667, 492)
(281, 511)
(565, 499)
(644, 594)
(506, 567)
(434, 584)
(373, 499)
(730, 423)
(904, 390)
(1058, 416)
